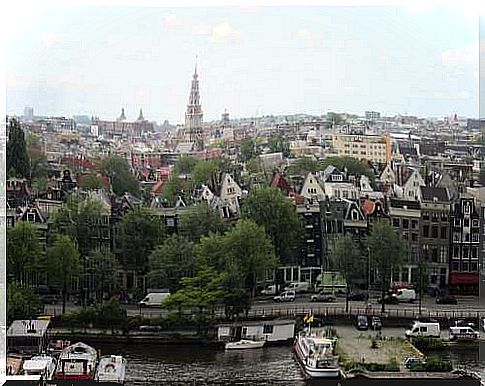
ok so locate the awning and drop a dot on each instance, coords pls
(470, 278)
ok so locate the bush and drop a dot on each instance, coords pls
(436, 364)
(423, 344)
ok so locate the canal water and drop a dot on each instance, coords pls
(272, 366)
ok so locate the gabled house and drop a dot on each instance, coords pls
(409, 182)
(387, 177)
(332, 174)
(230, 194)
(311, 188)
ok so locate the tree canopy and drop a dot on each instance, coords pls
(279, 143)
(302, 166)
(248, 149)
(201, 221)
(269, 208)
(18, 162)
(352, 165)
(121, 177)
(184, 165)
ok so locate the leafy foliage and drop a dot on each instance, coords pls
(279, 143)
(302, 166)
(184, 165)
(22, 303)
(105, 267)
(204, 171)
(247, 149)
(352, 165)
(200, 222)
(18, 163)
(269, 208)
(122, 180)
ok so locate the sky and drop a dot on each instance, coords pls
(252, 61)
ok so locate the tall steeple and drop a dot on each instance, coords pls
(122, 116)
(140, 116)
(193, 115)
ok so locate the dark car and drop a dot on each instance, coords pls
(446, 299)
(359, 296)
(323, 296)
(388, 300)
(376, 323)
(362, 323)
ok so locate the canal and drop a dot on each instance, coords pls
(170, 365)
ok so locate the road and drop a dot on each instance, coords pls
(303, 303)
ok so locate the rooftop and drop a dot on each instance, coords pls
(32, 328)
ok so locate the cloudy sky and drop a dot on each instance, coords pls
(251, 61)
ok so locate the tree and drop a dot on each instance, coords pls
(204, 171)
(18, 163)
(121, 178)
(171, 261)
(279, 143)
(63, 262)
(22, 303)
(387, 250)
(247, 149)
(254, 166)
(269, 208)
(176, 187)
(347, 259)
(105, 268)
(201, 221)
(237, 298)
(302, 166)
(245, 246)
(140, 232)
(24, 251)
(38, 161)
(90, 182)
(203, 292)
(184, 165)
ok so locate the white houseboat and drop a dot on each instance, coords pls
(316, 356)
(27, 336)
(111, 369)
(270, 331)
(77, 362)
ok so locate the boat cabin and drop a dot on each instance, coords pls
(27, 336)
(272, 331)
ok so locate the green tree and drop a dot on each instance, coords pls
(176, 187)
(204, 171)
(22, 303)
(171, 261)
(38, 159)
(24, 251)
(271, 209)
(202, 292)
(18, 163)
(302, 166)
(184, 165)
(201, 221)
(237, 299)
(279, 143)
(387, 251)
(254, 166)
(140, 232)
(105, 268)
(90, 182)
(247, 149)
(63, 262)
(347, 259)
(121, 178)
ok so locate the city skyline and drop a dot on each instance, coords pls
(95, 61)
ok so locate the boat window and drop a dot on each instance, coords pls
(268, 329)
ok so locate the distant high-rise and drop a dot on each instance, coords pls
(28, 113)
(193, 116)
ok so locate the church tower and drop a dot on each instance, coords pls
(193, 115)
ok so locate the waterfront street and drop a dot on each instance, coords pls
(303, 304)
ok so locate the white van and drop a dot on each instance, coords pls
(405, 295)
(463, 333)
(154, 299)
(269, 290)
(298, 287)
(428, 329)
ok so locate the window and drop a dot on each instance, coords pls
(475, 237)
(464, 266)
(456, 237)
(414, 224)
(457, 222)
(31, 217)
(434, 217)
(395, 222)
(405, 223)
(474, 253)
(466, 252)
(444, 216)
(473, 267)
(456, 251)
(425, 230)
(467, 208)
(443, 254)
(444, 233)
(434, 232)
(414, 237)
(268, 329)
(425, 215)
(466, 223)
(475, 224)
(434, 255)
(454, 266)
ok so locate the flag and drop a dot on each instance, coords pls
(310, 319)
(305, 318)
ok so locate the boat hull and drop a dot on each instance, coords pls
(254, 345)
(312, 372)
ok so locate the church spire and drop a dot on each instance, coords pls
(193, 115)
(140, 116)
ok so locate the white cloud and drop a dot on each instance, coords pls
(223, 33)
(49, 39)
(17, 81)
(460, 56)
(308, 36)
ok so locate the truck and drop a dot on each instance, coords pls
(405, 295)
(426, 329)
(331, 281)
(299, 287)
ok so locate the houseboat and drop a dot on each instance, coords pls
(271, 332)
(316, 356)
(77, 362)
(111, 369)
(43, 365)
(27, 337)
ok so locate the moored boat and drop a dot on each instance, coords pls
(43, 365)
(316, 356)
(111, 369)
(77, 362)
(244, 344)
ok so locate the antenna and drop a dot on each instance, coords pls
(196, 57)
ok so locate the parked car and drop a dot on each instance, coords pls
(376, 323)
(323, 296)
(413, 361)
(362, 323)
(286, 296)
(269, 290)
(463, 333)
(388, 300)
(359, 296)
(150, 329)
(299, 287)
(426, 329)
(446, 299)
(154, 299)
